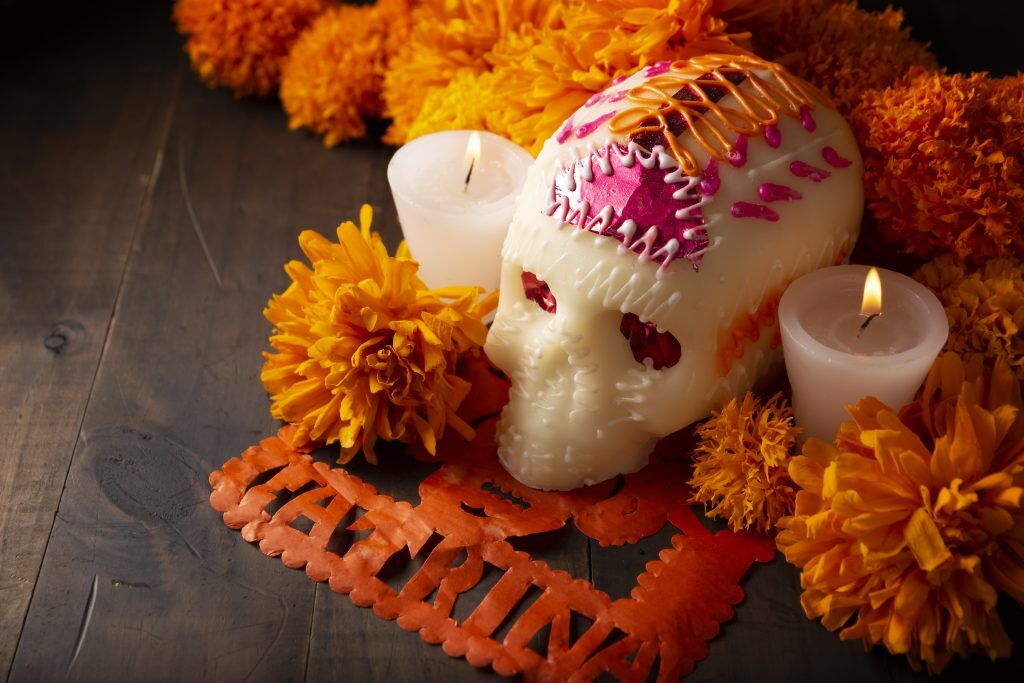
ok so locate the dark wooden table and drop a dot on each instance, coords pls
(144, 220)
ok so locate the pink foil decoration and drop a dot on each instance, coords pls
(646, 342)
(770, 192)
(833, 158)
(537, 291)
(634, 193)
(751, 210)
(813, 173)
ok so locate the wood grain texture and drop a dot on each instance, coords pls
(133, 347)
(138, 566)
(85, 116)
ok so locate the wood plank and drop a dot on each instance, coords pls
(85, 113)
(141, 580)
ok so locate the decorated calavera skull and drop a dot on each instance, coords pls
(652, 240)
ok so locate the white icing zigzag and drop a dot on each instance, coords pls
(641, 241)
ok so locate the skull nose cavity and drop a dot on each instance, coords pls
(538, 291)
(651, 348)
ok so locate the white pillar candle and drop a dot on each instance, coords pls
(455, 228)
(832, 362)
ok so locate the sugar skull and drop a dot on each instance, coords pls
(655, 233)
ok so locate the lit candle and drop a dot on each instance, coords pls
(842, 344)
(455, 192)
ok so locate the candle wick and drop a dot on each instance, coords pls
(469, 174)
(864, 325)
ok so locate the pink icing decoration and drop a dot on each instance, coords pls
(738, 153)
(802, 170)
(564, 132)
(657, 69)
(632, 193)
(615, 97)
(770, 192)
(805, 118)
(832, 158)
(594, 99)
(750, 210)
(619, 79)
(710, 183)
(588, 128)
(772, 136)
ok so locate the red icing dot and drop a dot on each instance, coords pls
(770, 192)
(804, 170)
(806, 119)
(834, 159)
(751, 210)
(738, 153)
(537, 291)
(646, 342)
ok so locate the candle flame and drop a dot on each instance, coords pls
(871, 304)
(473, 149)
(472, 156)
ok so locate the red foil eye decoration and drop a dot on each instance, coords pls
(646, 342)
(538, 292)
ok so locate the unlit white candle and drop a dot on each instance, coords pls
(456, 230)
(831, 363)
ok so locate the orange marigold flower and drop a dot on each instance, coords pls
(449, 38)
(652, 29)
(545, 68)
(332, 79)
(740, 468)
(241, 43)
(985, 307)
(542, 77)
(906, 528)
(363, 350)
(840, 48)
(944, 164)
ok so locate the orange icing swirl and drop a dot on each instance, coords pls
(769, 90)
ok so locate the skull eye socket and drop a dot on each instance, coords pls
(537, 291)
(646, 342)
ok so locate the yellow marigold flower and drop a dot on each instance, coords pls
(840, 48)
(985, 307)
(241, 43)
(907, 527)
(332, 79)
(449, 38)
(944, 164)
(740, 468)
(362, 350)
(463, 104)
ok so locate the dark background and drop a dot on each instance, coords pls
(129, 362)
